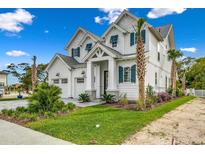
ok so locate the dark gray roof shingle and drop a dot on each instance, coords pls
(164, 30)
(70, 61)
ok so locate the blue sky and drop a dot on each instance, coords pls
(43, 32)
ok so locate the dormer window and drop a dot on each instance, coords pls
(76, 52)
(113, 40)
(88, 47)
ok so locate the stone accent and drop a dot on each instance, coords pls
(92, 94)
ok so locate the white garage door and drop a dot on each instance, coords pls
(79, 86)
(63, 84)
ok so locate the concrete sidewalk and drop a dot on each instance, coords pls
(13, 134)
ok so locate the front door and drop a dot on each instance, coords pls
(105, 81)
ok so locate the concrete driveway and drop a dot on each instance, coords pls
(12, 134)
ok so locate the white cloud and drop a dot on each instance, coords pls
(193, 50)
(16, 53)
(160, 12)
(13, 21)
(111, 15)
(46, 31)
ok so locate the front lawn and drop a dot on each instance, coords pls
(115, 124)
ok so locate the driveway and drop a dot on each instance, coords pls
(185, 125)
(13, 104)
(12, 134)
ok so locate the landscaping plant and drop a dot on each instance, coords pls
(84, 97)
(151, 97)
(123, 99)
(108, 98)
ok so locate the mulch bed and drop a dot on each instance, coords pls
(22, 122)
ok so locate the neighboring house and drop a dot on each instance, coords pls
(108, 63)
(3, 82)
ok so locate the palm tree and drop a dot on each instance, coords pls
(173, 55)
(141, 64)
(34, 73)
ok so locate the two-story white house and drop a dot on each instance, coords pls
(3, 81)
(107, 64)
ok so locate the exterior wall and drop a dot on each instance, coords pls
(59, 67)
(129, 88)
(3, 78)
(84, 52)
(77, 73)
(120, 44)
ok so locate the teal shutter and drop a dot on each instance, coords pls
(143, 35)
(133, 73)
(78, 52)
(135, 38)
(72, 52)
(120, 74)
(132, 38)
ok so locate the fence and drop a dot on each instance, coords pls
(196, 92)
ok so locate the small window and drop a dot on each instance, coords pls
(88, 47)
(158, 56)
(56, 81)
(80, 80)
(76, 52)
(127, 74)
(64, 81)
(2, 84)
(155, 78)
(114, 40)
(166, 83)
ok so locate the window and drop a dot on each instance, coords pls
(80, 80)
(132, 39)
(143, 35)
(158, 56)
(166, 82)
(76, 52)
(64, 81)
(88, 47)
(155, 78)
(127, 74)
(56, 81)
(113, 40)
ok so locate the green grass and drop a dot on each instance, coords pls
(115, 124)
(11, 99)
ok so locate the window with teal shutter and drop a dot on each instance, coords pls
(132, 39)
(114, 40)
(88, 47)
(120, 74)
(143, 36)
(133, 73)
(76, 52)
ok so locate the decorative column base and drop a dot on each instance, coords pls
(91, 93)
(113, 92)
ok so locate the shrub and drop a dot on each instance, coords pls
(163, 97)
(28, 116)
(179, 92)
(21, 109)
(108, 98)
(151, 97)
(49, 114)
(7, 112)
(70, 106)
(46, 98)
(84, 97)
(123, 99)
(169, 91)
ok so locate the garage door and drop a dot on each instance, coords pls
(79, 86)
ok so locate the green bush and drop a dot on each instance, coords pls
(123, 99)
(108, 98)
(151, 97)
(21, 109)
(49, 114)
(46, 98)
(8, 112)
(179, 92)
(28, 116)
(70, 106)
(84, 97)
(169, 91)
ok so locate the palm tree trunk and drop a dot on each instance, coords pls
(174, 79)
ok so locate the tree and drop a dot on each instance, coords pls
(141, 64)
(173, 55)
(183, 67)
(196, 74)
(34, 73)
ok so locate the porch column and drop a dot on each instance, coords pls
(112, 77)
(90, 80)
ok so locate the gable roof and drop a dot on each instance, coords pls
(164, 30)
(116, 26)
(70, 62)
(95, 37)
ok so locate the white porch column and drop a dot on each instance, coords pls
(90, 80)
(90, 76)
(97, 81)
(112, 75)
